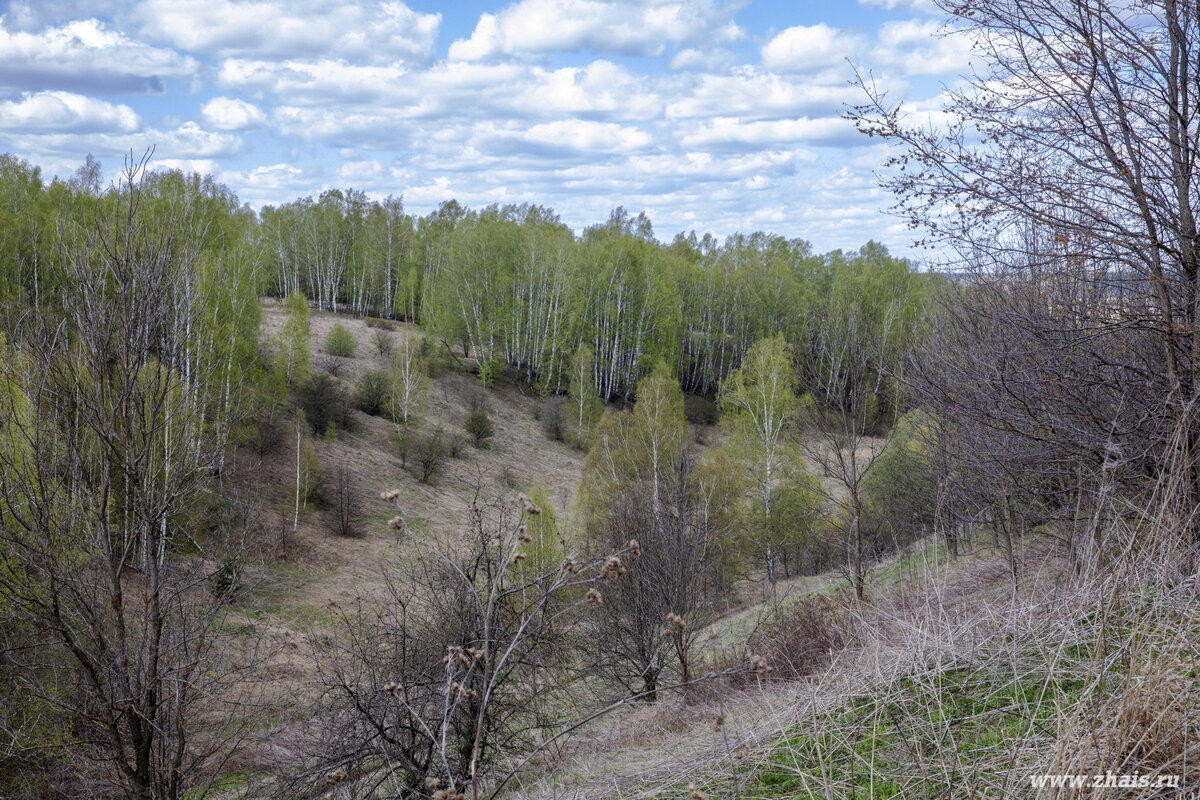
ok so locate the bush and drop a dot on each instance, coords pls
(345, 507)
(340, 342)
(383, 343)
(552, 418)
(403, 443)
(456, 446)
(490, 372)
(479, 425)
(700, 410)
(324, 401)
(429, 455)
(801, 639)
(372, 393)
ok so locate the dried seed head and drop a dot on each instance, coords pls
(477, 653)
(668, 633)
(676, 620)
(613, 568)
(518, 557)
(760, 666)
(594, 597)
(570, 566)
(391, 689)
(396, 523)
(635, 549)
(334, 777)
(456, 657)
(528, 506)
(742, 752)
(694, 793)
(389, 495)
(720, 723)
(432, 783)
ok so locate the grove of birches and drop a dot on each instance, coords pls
(850, 525)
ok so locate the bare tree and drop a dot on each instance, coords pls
(1066, 173)
(113, 423)
(845, 371)
(464, 665)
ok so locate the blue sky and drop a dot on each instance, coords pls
(709, 115)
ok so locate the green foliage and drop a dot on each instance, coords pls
(430, 455)
(480, 427)
(340, 341)
(762, 413)
(294, 352)
(582, 409)
(312, 476)
(373, 392)
(490, 371)
(383, 342)
(901, 489)
(323, 400)
(225, 581)
(643, 445)
(544, 551)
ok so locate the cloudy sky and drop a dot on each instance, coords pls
(709, 115)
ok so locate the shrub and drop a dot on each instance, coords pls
(552, 418)
(331, 366)
(429, 455)
(801, 639)
(456, 445)
(479, 425)
(383, 343)
(340, 342)
(372, 393)
(700, 410)
(312, 477)
(403, 443)
(490, 372)
(324, 401)
(345, 506)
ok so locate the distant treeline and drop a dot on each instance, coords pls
(512, 285)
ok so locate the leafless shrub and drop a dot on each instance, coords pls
(462, 669)
(345, 507)
(331, 365)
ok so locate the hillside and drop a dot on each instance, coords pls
(946, 683)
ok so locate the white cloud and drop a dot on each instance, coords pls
(753, 94)
(64, 112)
(607, 26)
(367, 32)
(807, 48)
(568, 136)
(204, 166)
(85, 55)
(727, 132)
(231, 114)
(923, 47)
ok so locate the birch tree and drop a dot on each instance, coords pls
(760, 398)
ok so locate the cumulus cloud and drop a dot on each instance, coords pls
(566, 138)
(367, 32)
(64, 112)
(805, 48)
(85, 55)
(730, 132)
(605, 26)
(231, 114)
(751, 93)
(923, 47)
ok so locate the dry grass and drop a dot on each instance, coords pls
(949, 685)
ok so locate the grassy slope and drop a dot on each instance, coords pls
(951, 684)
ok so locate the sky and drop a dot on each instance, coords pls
(712, 116)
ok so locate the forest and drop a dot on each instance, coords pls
(332, 500)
